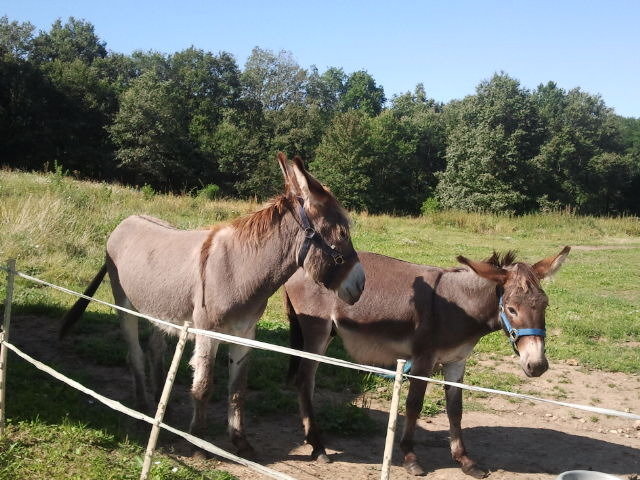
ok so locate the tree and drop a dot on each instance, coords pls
(362, 93)
(16, 39)
(326, 90)
(579, 129)
(75, 40)
(273, 80)
(344, 159)
(492, 137)
(151, 135)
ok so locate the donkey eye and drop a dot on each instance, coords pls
(512, 311)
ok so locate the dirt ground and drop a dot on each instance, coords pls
(513, 440)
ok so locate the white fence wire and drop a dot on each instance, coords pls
(334, 361)
(263, 346)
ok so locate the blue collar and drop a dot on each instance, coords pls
(514, 333)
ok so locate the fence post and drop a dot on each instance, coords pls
(393, 417)
(4, 337)
(164, 399)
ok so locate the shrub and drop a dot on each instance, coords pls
(210, 192)
(147, 191)
(429, 206)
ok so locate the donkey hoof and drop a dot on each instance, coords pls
(414, 468)
(199, 454)
(246, 451)
(321, 457)
(475, 471)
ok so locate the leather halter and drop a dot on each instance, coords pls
(311, 236)
(513, 334)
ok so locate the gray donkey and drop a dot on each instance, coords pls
(220, 279)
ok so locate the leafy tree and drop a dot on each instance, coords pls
(273, 80)
(151, 134)
(326, 90)
(384, 163)
(630, 135)
(612, 181)
(16, 39)
(209, 83)
(492, 137)
(83, 110)
(344, 159)
(75, 40)
(579, 129)
(362, 93)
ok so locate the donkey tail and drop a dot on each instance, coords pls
(296, 340)
(73, 315)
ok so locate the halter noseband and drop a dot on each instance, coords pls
(513, 334)
(312, 236)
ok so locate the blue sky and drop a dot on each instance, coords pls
(449, 46)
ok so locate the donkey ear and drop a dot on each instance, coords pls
(550, 265)
(282, 161)
(289, 178)
(310, 188)
(485, 270)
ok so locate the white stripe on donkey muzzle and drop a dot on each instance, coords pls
(532, 358)
(353, 284)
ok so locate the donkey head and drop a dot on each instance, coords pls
(325, 250)
(522, 303)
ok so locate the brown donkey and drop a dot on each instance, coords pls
(220, 279)
(430, 315)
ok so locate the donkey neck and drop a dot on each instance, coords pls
(476, 295)
(245, 268)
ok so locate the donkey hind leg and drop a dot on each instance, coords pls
(417, 388)
(454, 372)
(238, 371)
(202, 361)
(156, 358)
(317, 336)
(135, 358)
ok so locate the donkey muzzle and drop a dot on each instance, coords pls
(532, 358)
(351, 287)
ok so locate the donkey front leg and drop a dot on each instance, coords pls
(421, 367)
(238, 370)
(202, 360)
(454, 372)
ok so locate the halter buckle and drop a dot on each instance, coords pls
(309, 233)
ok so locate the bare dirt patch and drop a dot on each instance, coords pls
(514, 440)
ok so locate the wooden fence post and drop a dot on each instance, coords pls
(4, 337)
(164, 399)
(393, 418)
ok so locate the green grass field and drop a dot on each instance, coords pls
(56, 228)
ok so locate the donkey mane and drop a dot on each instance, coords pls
(255, 227)
(524, 273)
(500, 260)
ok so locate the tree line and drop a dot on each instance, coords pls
(195, 121)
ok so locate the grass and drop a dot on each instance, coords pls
(56, 228)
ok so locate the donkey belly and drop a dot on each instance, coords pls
(371, 349)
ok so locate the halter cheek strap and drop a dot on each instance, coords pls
(312, 236)
(514, 333)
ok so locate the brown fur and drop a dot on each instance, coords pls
(428, 314)
(252, 229)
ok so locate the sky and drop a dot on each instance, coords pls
(449, 46)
